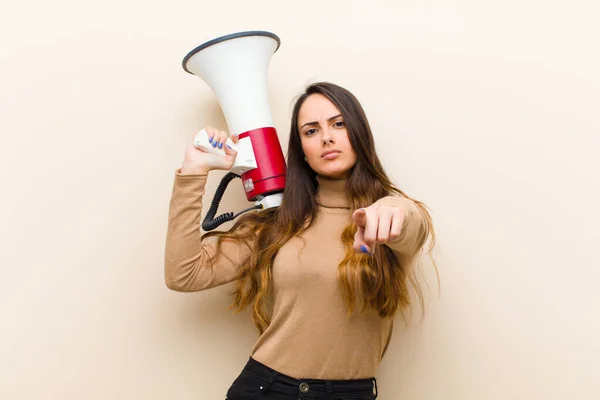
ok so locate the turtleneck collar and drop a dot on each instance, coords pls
(331, 193)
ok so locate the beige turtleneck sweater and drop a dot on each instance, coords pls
(310, 335)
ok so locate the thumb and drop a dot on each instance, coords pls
(230, 152)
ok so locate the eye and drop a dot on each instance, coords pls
(310, 132)
(339, 124)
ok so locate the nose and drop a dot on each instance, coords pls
(327, 138)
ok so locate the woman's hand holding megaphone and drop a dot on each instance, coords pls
(198, 161)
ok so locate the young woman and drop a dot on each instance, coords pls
(325, 272)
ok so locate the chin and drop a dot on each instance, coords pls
(335, 169)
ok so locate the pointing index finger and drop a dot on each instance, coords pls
(360, 217)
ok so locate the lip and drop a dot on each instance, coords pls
(329, 152)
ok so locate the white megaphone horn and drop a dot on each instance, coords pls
(235, 67)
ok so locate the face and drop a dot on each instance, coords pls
(324, 138)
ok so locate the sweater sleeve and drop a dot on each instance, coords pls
(188, 266)
(414, 230)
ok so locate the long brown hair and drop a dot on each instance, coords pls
(378, 282)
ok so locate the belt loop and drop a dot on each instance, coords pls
(329, 389)
(265, 388)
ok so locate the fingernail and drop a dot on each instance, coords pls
(363, 249)
(229, 146)
(220, 145)
(210, 140)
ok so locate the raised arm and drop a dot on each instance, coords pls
(188, 265)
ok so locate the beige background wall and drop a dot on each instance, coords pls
(488, 113)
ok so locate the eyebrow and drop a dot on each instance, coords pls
(316, 123)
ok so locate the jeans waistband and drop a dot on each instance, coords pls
(272, 380)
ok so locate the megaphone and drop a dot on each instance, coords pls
(235, 67)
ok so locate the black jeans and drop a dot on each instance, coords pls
(258, 382)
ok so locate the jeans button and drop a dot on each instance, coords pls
(304, 388)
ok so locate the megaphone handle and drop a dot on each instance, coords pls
(201, 142)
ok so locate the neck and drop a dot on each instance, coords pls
(332, 192)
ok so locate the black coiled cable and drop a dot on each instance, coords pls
(210, 222)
